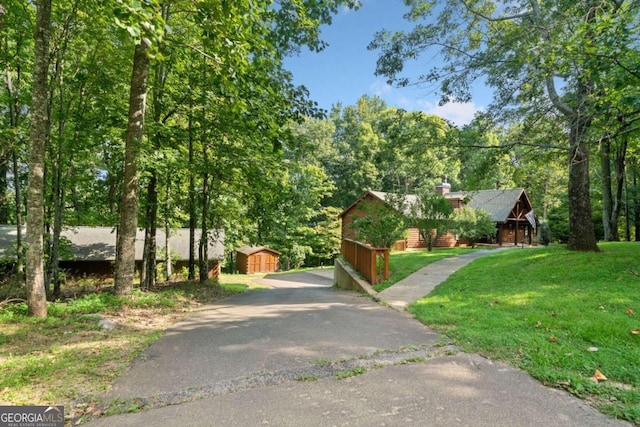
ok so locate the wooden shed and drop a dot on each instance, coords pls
(257, 259)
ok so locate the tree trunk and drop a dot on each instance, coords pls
(428, 238)
(4, 155)
(4, 186)
(612, 202)
(145, 257)
(36, 296)
(58, 196)
(607, 194)
(627, 212)
(150, 249)
(150, 252)
(203, 248)
(168, 271)
(636, 202)
(14, 108)
(54, 256)
(582, 235)
(620, 170)
(125, 247)
(192, 206)
(18, 189)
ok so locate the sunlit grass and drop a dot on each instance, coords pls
(242, 281)
(558, 314)
(67, 359)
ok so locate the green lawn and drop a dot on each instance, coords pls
(68, 359)
(557, 314)
(402, 264)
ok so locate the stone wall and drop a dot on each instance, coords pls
(345, 277)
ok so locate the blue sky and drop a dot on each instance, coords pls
(344, 71)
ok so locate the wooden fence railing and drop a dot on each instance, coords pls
(372, 263)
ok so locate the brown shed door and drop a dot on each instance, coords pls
(255, 263)
(271, 262)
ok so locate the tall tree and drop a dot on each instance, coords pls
(617, 102)
(35, 274)
(612, 198)
(16, 63)
(59, 154)
(4, 154)
(538, 55)
(418, 149)
(159, 117)
(125, 248)
(146, 24)
(358, 143)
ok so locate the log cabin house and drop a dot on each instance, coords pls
(91, 251)
(510, 210)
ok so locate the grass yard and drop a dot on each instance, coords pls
(67, 359)
(402, 264)
(565, 317)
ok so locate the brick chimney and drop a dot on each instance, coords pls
(443, 188)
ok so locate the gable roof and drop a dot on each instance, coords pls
(498, 203)
(409, 200)
(99, 243)
(250, 250)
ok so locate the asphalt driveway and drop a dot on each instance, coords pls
(301, 321)
(289, 355)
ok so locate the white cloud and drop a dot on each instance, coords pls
(380, 88)
(457, 113)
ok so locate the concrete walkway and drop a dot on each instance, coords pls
(423, 281)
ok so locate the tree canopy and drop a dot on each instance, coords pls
(220, 138)
(542, 58)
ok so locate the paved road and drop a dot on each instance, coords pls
(273, 357)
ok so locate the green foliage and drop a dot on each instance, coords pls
(545, 233)
(561, 317)
(218, 125)
(293, 256)
(473, 224)
(93, 303)
(350, 373)
(324, 239)
(376, 147)
(68, 358)
(142, 20)
(568, 63)
(381, 224)
(431, 214)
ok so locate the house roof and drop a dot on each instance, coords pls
(250, 250)
(409, 199)
(99, 243)
(498, 203)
